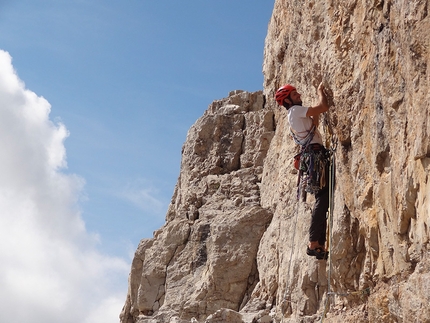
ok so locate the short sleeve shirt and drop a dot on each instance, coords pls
(301, 124)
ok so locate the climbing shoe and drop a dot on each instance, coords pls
(319, 253)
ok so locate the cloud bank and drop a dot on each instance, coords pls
(50, 268)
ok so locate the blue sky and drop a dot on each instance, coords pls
(121, 82)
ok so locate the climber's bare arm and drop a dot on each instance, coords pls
(316, 120)
(321, 107)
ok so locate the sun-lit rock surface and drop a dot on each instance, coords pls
(233, 246)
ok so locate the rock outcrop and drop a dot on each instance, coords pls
(204, 258)
(233, 246)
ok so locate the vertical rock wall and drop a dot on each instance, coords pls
(373, 57)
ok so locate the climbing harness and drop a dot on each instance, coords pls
(304, 160)
(313, 163)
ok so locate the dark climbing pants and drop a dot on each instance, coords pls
(318, 227)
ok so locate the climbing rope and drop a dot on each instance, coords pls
(330, 229)
(287, 289)
(332, 144)
(284, 301)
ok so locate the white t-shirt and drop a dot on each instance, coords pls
(301, 124)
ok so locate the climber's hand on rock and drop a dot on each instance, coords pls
(321, 90)
(322, 95)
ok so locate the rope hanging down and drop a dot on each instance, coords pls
(330, 230)
(332, 144)
(286, 300)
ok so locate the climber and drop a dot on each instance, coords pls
(314, 160)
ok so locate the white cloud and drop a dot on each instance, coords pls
(106, 310)
(51, 270)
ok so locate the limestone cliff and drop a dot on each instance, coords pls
(233, 246)
(204, 257)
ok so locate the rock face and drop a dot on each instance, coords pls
(233, 246)
(204, 258)
(373, 57)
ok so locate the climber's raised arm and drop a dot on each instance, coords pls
(322, 105)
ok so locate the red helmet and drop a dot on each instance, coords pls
(283, 93)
